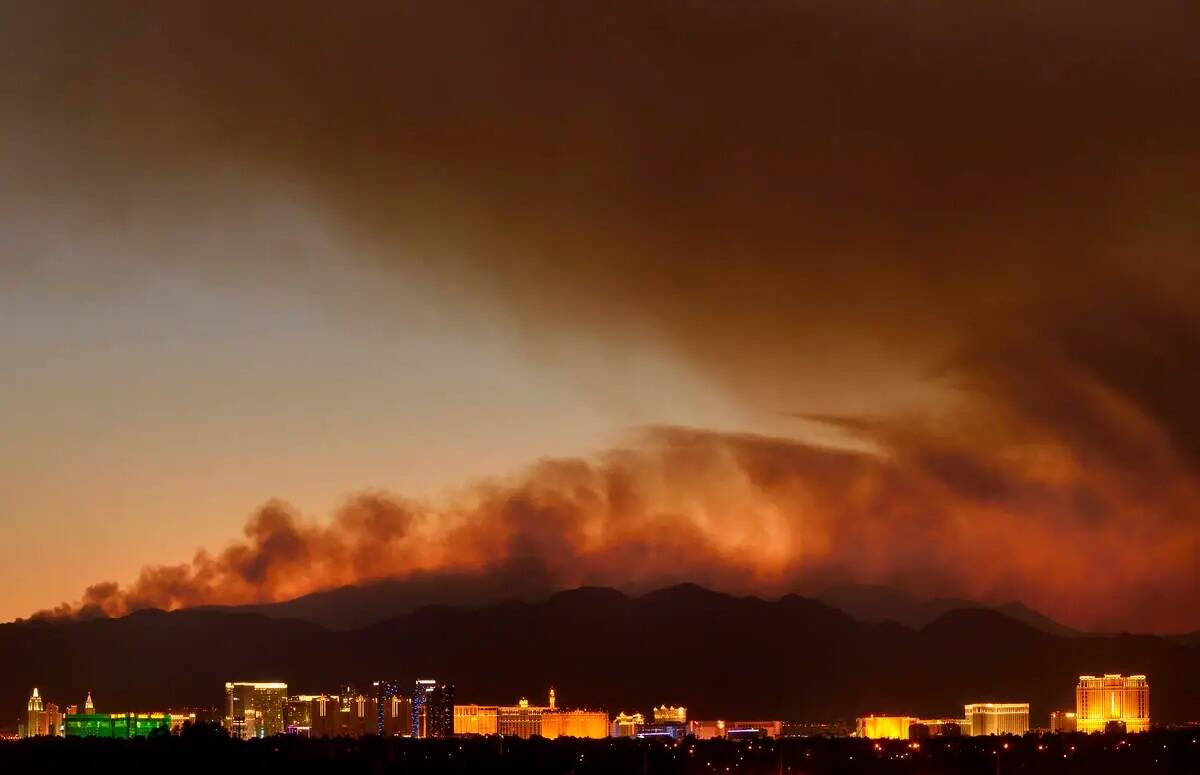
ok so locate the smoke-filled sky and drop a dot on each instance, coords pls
(766, 295)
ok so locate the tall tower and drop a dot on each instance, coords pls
(1112, 697)
(433, 709)
(553, 700)
(88, 705)
(33, 721)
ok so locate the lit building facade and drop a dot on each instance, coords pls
(35, 724)
(628, 724)
(996, 718)
(347, 715)
(116, 725)
(42, 719)
(432, 709)
(884, 727)
(520, 720)
(757, 728)
(706, 730)
(665, 714)
(254, 709)
(1112, 697)
(389, 701)
(1062, 721)
(397, 716)
(476, 720)
(297, 714)
(575, 723)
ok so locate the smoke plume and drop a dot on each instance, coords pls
(971, 229)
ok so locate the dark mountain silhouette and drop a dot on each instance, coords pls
(874, 603)
(724, 656)
(351, 607)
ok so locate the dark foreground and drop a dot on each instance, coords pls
(1156, 752)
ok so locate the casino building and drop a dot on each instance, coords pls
(1123, 701)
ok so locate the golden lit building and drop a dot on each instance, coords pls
(627, 724)
(996, 718)
(575, 723)
(1112, 697)
(34, 719)
(476, 720)
(669, 714)
(885, 727)
(521, 720)
(1062, 721)
(525, 720)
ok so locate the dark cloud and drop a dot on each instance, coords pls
(997, 196)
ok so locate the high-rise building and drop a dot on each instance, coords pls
(254, 708)
(1112, 698)
(88, 705)
(347, 715)
(34, 719)
(1062, 721)
(996, 718)
(389, 702)
(432, 709)
(53, 720)
(885, 727)
(297, 714)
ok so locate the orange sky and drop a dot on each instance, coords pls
(906, 296)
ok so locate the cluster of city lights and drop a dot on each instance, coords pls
(255, 709)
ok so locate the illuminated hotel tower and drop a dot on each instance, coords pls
(1112, 697)
(88, 705)
(997, 718)
(432, 709)
(33, 720)
(254, 708)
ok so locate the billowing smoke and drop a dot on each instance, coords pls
(992, 505)
(992, 203)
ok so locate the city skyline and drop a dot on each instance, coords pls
(256, 710)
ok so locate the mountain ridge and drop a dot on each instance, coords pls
(721, 655)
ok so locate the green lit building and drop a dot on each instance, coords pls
(116, 725)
